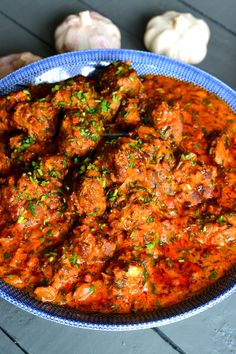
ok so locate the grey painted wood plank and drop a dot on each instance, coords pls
(38, 336)
(220, 60)
(7, 346)
(211, 332)
(219, 10)
(41, 18)
(133, 13)
(44, 17)
(15, 39)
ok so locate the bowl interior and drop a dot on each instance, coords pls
(67, 65)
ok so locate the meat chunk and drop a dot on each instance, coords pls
(168, 121)
(196, 142)
(92, 246)
(227, 190)
(36, 220)
(29, 200)
(81, 258)
(195, 183)
(52, 168)
(89, 197)
(5, 162)
(79, 133)
(220, 233)
(77, 93)
(25, 148)
(119, 76)
(129, 158)
(5, 121)
(116, 82)
(225, 149)
(38, 119)
(124, 156)
(35, 198)
(128, 116)
(159, 192)
(6, 106)
(129, 275)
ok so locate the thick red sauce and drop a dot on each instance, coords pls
(103, 223)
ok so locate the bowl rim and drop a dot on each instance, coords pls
(156, 64)
(118, 322)
(171, 67)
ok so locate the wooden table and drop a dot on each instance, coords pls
(27, 25)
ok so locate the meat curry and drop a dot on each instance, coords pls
(117, 191)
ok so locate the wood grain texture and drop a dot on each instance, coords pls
(222, 13)
(38, 336)
(211, 332)
(7, 346)
(15, 39)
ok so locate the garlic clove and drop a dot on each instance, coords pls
(86, 30)
(86, 18)
(12, 62)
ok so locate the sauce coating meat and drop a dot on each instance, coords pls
(117, 192)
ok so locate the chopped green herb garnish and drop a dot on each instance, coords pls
(221, 219)
(150, 246)
(105, 106)
(92, 289)
(49, 233)
(150, 219)
(73, 259)
(6, 255)
(21, 220)
(56, 88)
(32, 207)
(213, 275)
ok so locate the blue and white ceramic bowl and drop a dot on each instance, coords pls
(63, 66)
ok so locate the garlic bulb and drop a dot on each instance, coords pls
(178, 35)
(86, 30)
(15, 61)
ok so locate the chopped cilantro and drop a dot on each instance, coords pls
(92, 289)
(6, 255)
(56, 88)
(73, 259)
(212, 275)
(32, 207)
(21, 220)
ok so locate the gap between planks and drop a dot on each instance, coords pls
(25, 29)
(168, 340)
(13, 340)
(185, 3)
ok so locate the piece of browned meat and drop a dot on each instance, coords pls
(80, 133)
(37, 119)
(77, 93)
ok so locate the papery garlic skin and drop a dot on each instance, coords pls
(178, 35)
(86, 30)
(12, 62)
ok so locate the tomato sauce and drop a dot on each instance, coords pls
(118, 192)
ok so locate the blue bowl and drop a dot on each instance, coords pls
(60, 67)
